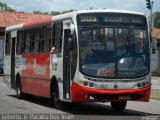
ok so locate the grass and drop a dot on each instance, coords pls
(155, 94)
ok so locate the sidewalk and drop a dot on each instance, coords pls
(156, 83)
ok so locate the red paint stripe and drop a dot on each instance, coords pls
(38, 22)
(83, 91)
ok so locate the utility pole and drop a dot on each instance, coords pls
(150, 7)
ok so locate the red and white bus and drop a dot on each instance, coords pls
(100, 56)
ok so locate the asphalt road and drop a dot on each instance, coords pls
(9, 104)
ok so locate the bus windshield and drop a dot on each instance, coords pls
(107, 51)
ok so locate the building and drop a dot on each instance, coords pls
(13, 18)
(155, 66)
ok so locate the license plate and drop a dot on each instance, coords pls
(124, 98)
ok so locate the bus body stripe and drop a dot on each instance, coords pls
(82, 92)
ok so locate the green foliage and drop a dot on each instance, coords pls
(38, 12)
(58, 13)
(157, 20)
(67, 11)
(53, 12)
(5, 7)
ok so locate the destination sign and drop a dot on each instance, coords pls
(111, 19)
(123, 19)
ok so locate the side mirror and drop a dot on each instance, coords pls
(70, 42)
(70, 37)
(72, 29)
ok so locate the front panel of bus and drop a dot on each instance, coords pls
(114, 60)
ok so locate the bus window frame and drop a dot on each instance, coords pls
(57, 40)
(32, 39)
(19, 45)
(8, 44)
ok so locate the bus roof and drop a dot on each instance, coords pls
(67, 15)
(110, 11)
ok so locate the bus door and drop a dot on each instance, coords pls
(13, 51)
(66, 60)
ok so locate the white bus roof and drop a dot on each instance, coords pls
(68, 15)
(110, 11)
(72, 14)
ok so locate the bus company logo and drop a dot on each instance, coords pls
(22, 63)
(115, 84)
(39, 69)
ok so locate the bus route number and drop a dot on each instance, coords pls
(89, 19)
(103, 86)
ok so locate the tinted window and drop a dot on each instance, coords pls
(19, 48)
(57, 36)
(8, 44)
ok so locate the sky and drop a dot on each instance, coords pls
(61, 5)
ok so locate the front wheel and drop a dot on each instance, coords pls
(118, 105)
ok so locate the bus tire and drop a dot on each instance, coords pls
(118, 105)
(58, 104)
(19, 93)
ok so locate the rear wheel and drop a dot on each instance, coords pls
(118, 105)
(57, 102)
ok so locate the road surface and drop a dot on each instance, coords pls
(9, 104)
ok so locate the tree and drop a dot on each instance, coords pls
(38, 12)
(157, 20)
(58, 13)
(67, 11)
(55, 13)
(5, 7)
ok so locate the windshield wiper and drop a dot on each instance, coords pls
(100, 37)
(129, 36)
(131, 65)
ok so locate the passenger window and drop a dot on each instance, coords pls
(57, 36)
(46, 38)
(27, 39)
(32, 41)
(8, 44)
(37, 39)
(19, 42)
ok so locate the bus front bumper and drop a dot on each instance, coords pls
(84, 94)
